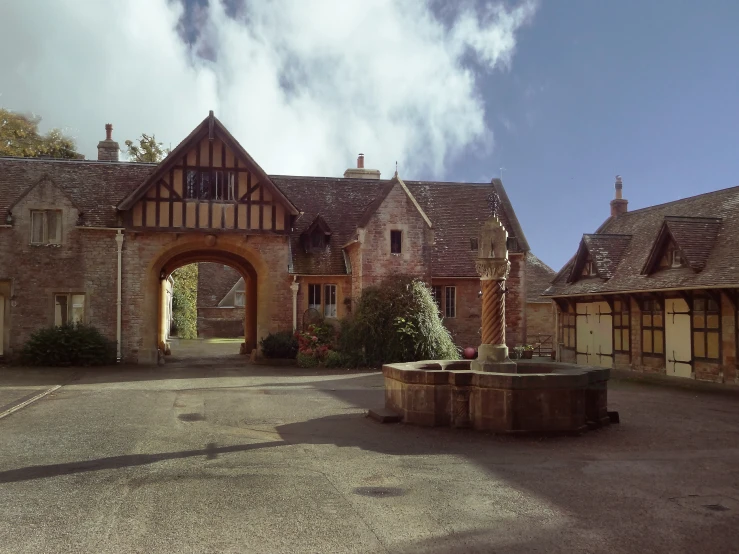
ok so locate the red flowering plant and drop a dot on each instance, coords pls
(316, 341)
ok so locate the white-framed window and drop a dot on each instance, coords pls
(314, 297)
(329, 306)
(450, 301)
(396, 242)
(240, 299)
(69, 308)
(46, 226)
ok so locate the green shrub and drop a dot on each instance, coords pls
(396, 321)
(73, 344)
(184, 301)
(336, 359)
(307, 360)
(282, 344)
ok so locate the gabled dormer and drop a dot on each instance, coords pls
(682, 242)
(317, 236)
(598, 256)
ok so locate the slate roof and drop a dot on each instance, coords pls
(455, 209)
(605, 251)
(94, 187)
(537, 277)
(706, 227)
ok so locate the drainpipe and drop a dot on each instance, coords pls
(119, 242)
(294, 287)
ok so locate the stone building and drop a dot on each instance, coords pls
(96, 241)
(655, 289)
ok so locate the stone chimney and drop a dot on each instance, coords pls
(360, 172)
(619, 205)
(108, 148)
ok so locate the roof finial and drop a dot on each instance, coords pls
(396, 169)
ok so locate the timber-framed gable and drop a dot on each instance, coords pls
(209, 183)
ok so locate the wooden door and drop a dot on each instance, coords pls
(678, 359)
(594, 334)
(584, 330)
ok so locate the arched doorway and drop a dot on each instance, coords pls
(231, 251)
(236, 262)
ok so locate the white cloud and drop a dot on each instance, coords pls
(304, 86)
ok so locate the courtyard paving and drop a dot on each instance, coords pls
(228, 457)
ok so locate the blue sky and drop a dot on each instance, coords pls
(645, 89)
(564, 94)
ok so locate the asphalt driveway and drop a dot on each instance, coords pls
(193, 457)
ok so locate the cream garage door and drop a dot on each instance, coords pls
(594, 328)
(677, 338)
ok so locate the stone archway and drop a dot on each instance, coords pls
(232, 251)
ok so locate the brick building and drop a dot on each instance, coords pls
(656, 289)
(96, 241)
(221, 300)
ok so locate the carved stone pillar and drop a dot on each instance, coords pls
(493, 267)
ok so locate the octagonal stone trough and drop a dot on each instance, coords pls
(541, 397)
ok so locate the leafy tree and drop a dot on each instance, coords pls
(147, 149)
(184, 301)
(19, 136)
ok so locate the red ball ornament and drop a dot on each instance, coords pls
(469, 353)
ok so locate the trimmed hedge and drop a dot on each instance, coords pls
(68, 345)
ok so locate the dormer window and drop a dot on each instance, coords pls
(316, 236)
(677, 259)
(588, 269)
(316, 240)
(46, 226)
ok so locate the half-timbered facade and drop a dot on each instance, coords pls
(655, 290)
(96, 241)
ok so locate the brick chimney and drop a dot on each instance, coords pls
(360, 172)
(619, 205)
(108, 148)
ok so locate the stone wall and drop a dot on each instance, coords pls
(515, 310)
(539, 319)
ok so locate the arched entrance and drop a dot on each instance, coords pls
(230, 259)
(231, 251)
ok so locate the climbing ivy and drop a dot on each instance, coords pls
(184, 302)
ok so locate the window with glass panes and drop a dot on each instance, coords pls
(314, 297)
(329, 299)
(706, 329)
(69, 308)
(621, 327)
(450, 304)
(46, 226)
(652, 328)
(568, 329)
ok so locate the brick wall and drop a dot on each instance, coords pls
(539, 319)
(220, 322)
(515, 311)
(84, 262)
(343, 293)
(465, 327)
(396, 212)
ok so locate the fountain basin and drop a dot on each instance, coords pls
(541, 397)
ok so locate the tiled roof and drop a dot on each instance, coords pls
(94, 187)
(538, 276)
(606, 252)
(695, 237)
(455, 209)
(705, 226)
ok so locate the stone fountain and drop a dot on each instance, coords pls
(493, 393)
